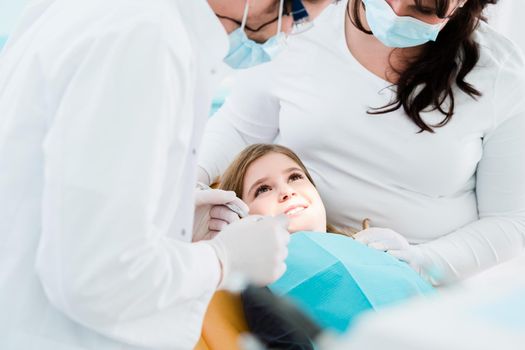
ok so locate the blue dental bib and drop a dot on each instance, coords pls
(333, 279)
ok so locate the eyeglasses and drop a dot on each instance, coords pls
(301, 19)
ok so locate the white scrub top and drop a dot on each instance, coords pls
(102, 109)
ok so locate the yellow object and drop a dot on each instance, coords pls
(223, 324)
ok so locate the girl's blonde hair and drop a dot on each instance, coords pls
(233, 177)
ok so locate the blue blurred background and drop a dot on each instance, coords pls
(10, 11)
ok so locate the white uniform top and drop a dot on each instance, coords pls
(461, 190)
(102, 108)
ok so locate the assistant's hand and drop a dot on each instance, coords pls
(252, 250)
(211, 215)
(394, 244)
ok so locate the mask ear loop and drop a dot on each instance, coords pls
(280, 18)
(458, 6)
(245, 15)
(455, 9)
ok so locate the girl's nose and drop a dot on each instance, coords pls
(287, 194)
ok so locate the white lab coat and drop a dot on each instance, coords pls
(102, 108)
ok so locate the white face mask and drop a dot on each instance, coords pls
(398, 31)
(246, 53)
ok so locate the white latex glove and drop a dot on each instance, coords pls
(394, 244)
(252, 250)
(211, 216)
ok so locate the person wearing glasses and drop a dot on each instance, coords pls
(410, 112)
(102, 109)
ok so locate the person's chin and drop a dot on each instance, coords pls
(297, 226)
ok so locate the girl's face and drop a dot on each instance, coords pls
(274, 184)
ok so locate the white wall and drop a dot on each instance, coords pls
(507, 17)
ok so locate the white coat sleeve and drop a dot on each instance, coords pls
(499, 234)
(101, 259)
(249, 115)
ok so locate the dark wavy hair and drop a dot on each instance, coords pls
(428, 81)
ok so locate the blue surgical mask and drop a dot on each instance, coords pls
(398, 31)
(246, 53)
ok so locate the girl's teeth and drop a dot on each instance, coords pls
(296, 210)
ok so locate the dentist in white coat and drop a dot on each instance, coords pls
(102, 109)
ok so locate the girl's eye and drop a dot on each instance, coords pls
(296, 176)
(261, 189)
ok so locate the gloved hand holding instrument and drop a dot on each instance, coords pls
(250, 250)
(214, 210)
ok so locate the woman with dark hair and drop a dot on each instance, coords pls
(410, 112)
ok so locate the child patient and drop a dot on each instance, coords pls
(272, 180)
